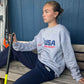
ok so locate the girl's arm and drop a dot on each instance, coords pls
(69, 55)
(29, 46)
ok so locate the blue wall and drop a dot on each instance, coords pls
(26, 20)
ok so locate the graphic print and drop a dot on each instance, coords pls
(48, 43)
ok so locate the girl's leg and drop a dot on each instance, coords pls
(27, 58)
(3, 57)
(37, 75)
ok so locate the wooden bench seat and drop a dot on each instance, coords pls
(17, 70)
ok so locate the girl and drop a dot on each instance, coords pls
(54, 51)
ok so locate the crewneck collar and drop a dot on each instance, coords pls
(54, 26)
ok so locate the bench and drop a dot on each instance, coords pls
(17, 69)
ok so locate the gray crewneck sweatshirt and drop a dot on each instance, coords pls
(54, 50)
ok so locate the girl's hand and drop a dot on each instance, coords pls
(14, 38)
(81, 80)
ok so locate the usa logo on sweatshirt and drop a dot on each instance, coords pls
(49, 43)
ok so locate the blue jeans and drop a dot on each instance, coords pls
(38, 74)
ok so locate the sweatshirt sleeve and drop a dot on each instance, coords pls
(69, 55)
(29, 46)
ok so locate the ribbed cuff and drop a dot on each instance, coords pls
(78, 79)
(15, 44)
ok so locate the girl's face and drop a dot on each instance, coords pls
(48, 14)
